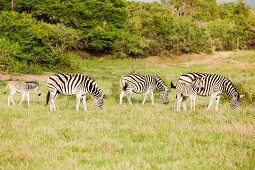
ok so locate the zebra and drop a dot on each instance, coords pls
(142, 84)
(23, 88)
(73, 84)
(184, 90)
(214, 85)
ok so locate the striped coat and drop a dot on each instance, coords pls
(142, 84)
(184, 90)
(214, 85)
(73, 84)
(23, 88)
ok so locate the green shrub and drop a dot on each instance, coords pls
(30, 42)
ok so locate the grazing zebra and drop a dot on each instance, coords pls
(23, 88)
(184, 90)
(214, 85)
(142, 84)
(73, 84)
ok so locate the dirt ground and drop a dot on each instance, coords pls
(24, 77)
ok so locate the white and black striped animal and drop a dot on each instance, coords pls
(184, 90)
(23, 88)
(73, 84)
(142, 84)
(214, 85)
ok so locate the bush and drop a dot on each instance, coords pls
(30, 42)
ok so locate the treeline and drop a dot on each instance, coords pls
(46, 34)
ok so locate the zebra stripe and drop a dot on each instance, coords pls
(73, 84)
(184, 90)
(214, 85)
(23, 88)
(142, 84)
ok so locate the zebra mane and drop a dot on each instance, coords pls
(161, 83)
(230, 89)
(32, 82)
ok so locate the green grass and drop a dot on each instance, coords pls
(133, 137)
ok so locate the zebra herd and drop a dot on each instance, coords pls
(188, 85)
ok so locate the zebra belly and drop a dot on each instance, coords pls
(138, 91)
(207, 93)
(72, 92)
(68, 92)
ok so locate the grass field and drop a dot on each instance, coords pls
(134, 137)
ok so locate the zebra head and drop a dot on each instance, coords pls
(37, 90)
(199, 82)
(99, 100)
(163, 89)
(35, 86)
(164, 95)
(235, 101)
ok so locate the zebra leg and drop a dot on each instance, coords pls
(144, 99)
(78, 100)
(9, 100)
(22, 98)
(192, 103)
(175, 104)
(152, 98)
(84, 102)
(122, 93)
(217, 103)
(129, 97)
(178, 102)
(52, 100)
(28, 98)
(184, 103)
(11, 95)
(212, 98)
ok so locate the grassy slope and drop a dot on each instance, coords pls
(134, 137)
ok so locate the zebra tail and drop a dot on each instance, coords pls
(6, 89)
(172, 85)
(125, 87)
(47, 98)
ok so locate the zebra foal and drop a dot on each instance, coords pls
(23, 88)
(214, 85)
(142, 84)
(73, 84)
(184, 91)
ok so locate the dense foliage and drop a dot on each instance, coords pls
(46, 33)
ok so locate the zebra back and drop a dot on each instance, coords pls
(31, 84)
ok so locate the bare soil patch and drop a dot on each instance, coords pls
(215, 58)
(24, 77)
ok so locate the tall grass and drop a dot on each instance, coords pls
(133, 137)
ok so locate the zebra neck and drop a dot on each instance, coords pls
(159, 84)
(230, 89)
(95, 91)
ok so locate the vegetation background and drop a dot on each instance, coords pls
(44, 35)
(105, 39)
